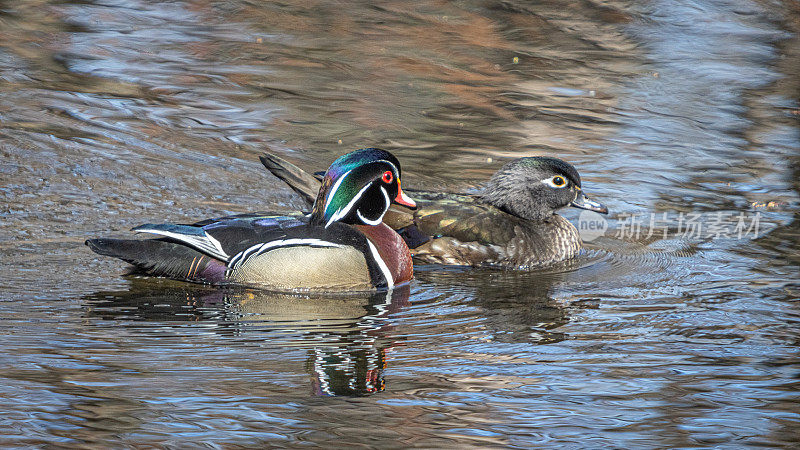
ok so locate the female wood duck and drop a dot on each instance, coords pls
(511, 224)
(341, 245)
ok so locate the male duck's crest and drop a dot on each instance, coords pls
(358, 188)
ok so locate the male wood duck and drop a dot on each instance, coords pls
(511, 224)
(341, 245)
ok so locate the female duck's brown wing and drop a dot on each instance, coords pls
(459, 229)
(499, 239)
(465, 231)
(461, 216)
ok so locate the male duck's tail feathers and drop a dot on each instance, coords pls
(195, 237)
(162, 258)
(298, 179)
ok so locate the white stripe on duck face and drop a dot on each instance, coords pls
(334, 189)
(342, 213)
(241, 258)
(380, 217)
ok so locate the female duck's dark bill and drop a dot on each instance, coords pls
(583, 202)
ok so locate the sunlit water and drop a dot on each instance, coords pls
(117, 113)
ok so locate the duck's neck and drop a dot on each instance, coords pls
(551, 240)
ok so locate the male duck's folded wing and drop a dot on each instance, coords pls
(253, 251)
(195, 237)
(290, 218)
(227, 237)
(160, 257)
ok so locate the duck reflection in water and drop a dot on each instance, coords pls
(346, 337)
(514, 307)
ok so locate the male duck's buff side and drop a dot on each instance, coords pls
(341, 245)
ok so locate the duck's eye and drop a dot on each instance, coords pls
(388, 177)
(559, 181)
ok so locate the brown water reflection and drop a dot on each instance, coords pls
(117, 113)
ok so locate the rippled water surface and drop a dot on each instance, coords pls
(121, 112)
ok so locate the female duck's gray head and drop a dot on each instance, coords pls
(534, 188)
(358, 188)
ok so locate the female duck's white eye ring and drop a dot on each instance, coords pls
(557, 182)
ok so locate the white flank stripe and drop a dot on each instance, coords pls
(234, 262)
(384, 268)
(241, 258)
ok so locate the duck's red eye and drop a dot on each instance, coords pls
(388, 177)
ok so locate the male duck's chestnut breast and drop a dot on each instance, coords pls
(392, 250)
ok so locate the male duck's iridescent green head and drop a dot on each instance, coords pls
(358, 188)
(536, 187)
